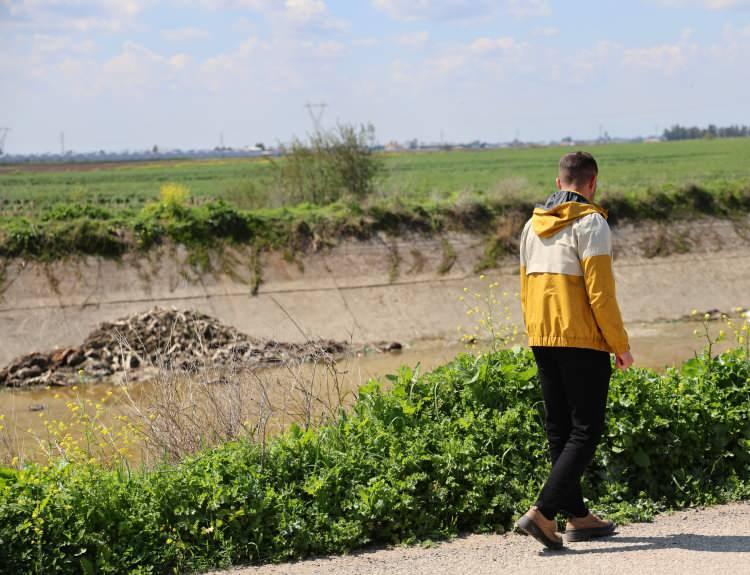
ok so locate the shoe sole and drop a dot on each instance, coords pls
(531, 528)
(592, 533)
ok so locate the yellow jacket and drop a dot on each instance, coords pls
(567, 286)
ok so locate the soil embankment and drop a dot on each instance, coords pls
(403, 289)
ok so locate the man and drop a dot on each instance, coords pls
(573, 324)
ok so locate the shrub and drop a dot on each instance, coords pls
(332, 166)
(461, 448)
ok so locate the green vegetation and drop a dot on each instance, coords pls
(71, 230)
(331, 166)
(458, 449)
(425, 177)
(106, 212)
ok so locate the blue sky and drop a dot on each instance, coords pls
(128, 74)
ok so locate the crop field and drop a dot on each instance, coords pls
(626, 169)
(49, 212)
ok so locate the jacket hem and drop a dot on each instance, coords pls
(568, 342)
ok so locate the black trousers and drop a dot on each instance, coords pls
(575, 383)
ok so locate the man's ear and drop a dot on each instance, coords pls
(559, 183)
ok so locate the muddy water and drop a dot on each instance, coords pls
(28, 413)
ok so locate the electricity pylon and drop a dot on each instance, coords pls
(316, 111)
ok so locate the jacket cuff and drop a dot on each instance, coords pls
(617, 350)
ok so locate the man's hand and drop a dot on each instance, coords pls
(623, 360)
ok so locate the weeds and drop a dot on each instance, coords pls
(457, 449)
(89, 434)
(448, 257)
(490, 310)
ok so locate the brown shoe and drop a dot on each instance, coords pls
(540, 528)
(589, 527)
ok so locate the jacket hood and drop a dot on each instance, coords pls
(560, 210)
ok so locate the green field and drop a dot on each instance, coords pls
(48, 212)
(423, 177)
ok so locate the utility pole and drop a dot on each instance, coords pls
(62, 143)
(316, 111)
(3, 133)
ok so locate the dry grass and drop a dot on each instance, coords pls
(182, 410)
(185, 411)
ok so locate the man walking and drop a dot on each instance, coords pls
(573, 324)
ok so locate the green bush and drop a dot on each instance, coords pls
(333, 165)
(458, 449)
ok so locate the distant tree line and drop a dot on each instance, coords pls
(678, 132)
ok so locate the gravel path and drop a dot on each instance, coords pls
(701, 541)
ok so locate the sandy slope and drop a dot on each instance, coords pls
(352, 291)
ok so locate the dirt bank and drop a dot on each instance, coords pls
(695, 541)
(402, 289)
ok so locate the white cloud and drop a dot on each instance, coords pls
(298, 13)
(546, 31)
(399, 72)
(73, 15)
(304, 10)
(668, 58)
(707, 4)
(529, 8)
(234, 60)
(56, 45)
(481, 58)
(179, 62)
(365, 42)
(322, 49)
(276, 65)
(587, 63)
(137, 70)
(410, 10)
(414, 40)
(489, 46)
(726, 4)
(184, 34)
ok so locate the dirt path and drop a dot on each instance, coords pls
(705, 541)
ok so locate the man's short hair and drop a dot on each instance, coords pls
(577, 168)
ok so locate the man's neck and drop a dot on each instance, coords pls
(589, 197)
